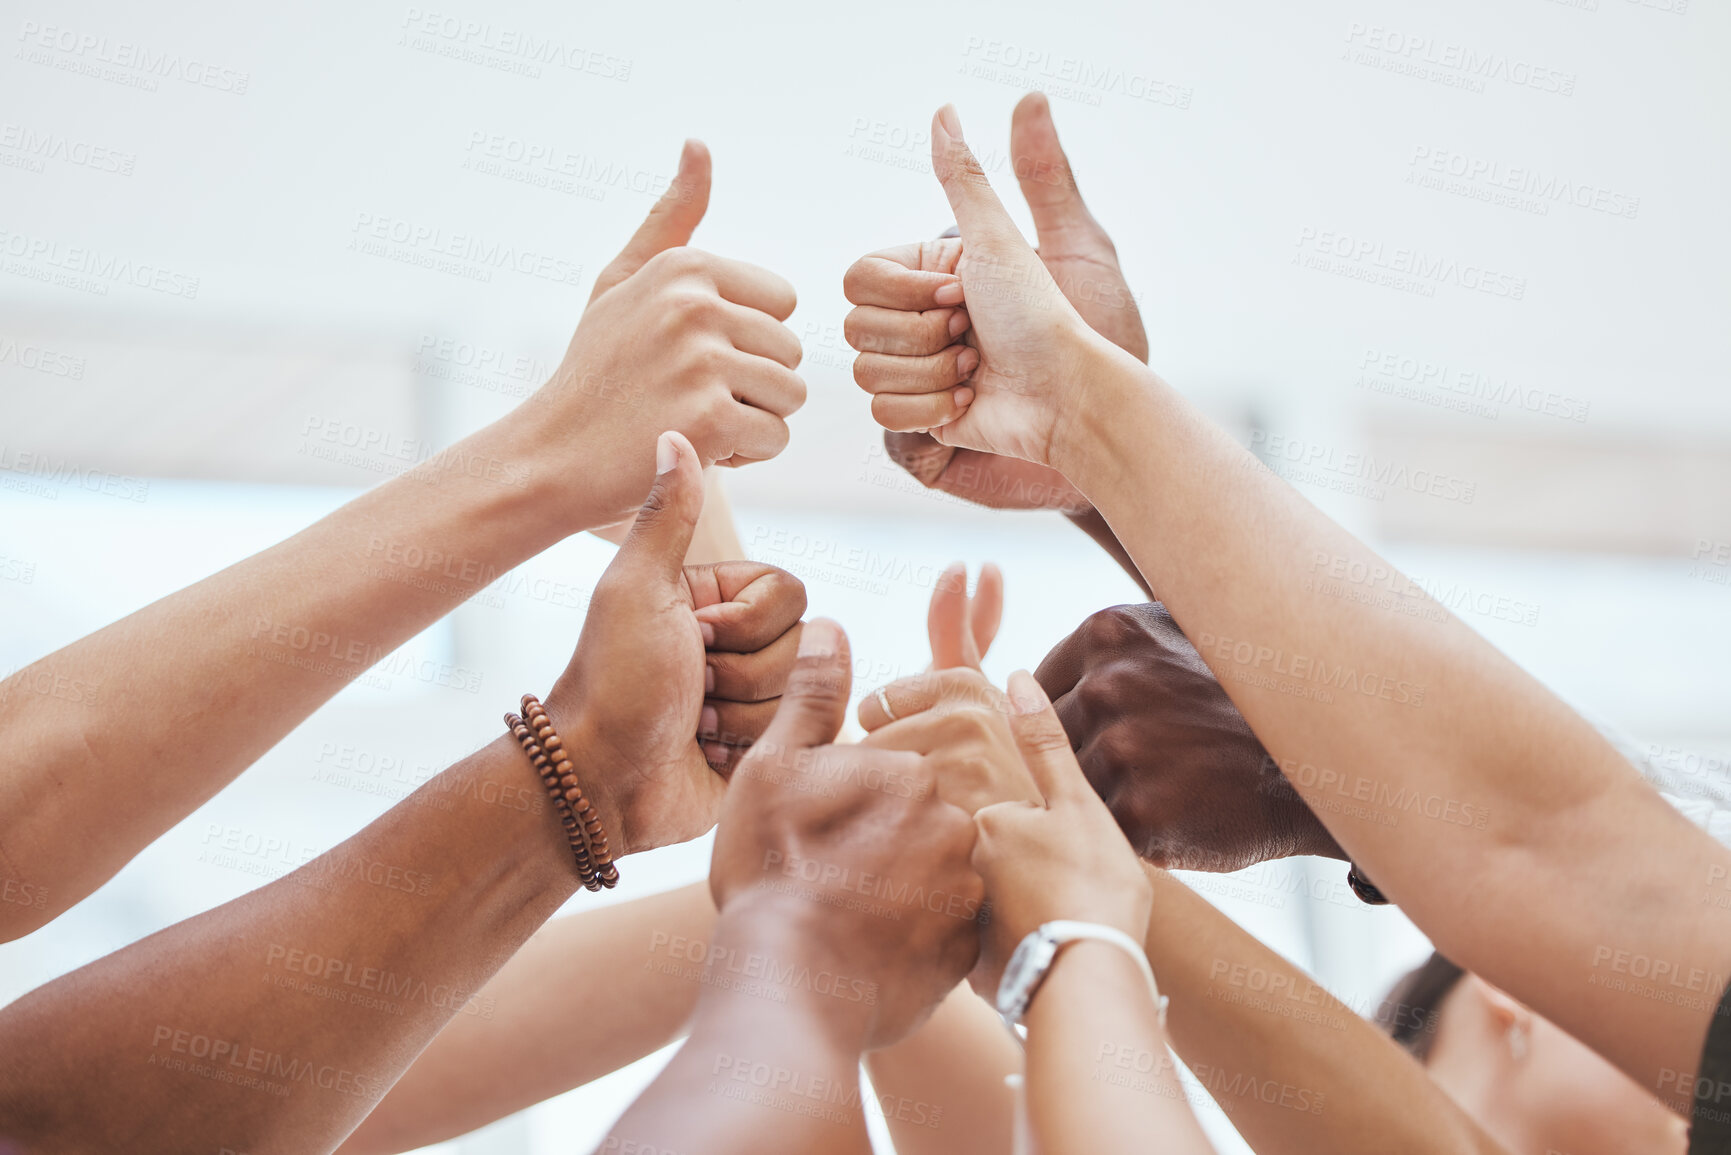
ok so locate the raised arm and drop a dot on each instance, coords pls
(1297, 1072)
(197, 686)
(1502, 822)
(843, 886)
(276, 1021)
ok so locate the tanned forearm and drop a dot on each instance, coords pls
(1492, 812)
(276, 1021)
(176, 699)
(759, 1074)
(538, 1034)
(1296, 1072)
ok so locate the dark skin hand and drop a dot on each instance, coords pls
(1165, 747)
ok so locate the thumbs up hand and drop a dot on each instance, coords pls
(675, 670)
(851, 853)
(923, 374)
(673, 338)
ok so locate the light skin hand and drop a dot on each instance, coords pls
(676, 338)
(1082, 260)
(952, 713)
(1063, 857)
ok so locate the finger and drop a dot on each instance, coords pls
(1048, 183)
(765, 385)
(903, 333)
(671, 220)
(746, 604)
(754, 287)
(735, 723)
(758, 434)
(920, 692)
(901, 411)
(1041, 738)
(908, 277)
(947, 621)
(881, 373)
(986, 608)
(662, 532)
(979, 212)
(757, 333)
(755, 677)
(920, 734)
(814, 704)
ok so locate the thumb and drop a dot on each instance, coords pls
(814, 701)
(1041, 739)
(662, 532)
(671, 220)
(979, 213)
(1048, 183)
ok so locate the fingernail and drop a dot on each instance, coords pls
(950, 294)
(958, 323)
(709, 722)
(964, 396)
(818, 638)
(708, 633)
(709, 679)
(951, 122)
(1026, 696)
(666, 454)
(967, 361)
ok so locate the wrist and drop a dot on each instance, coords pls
(538, 455)
(608, 783)
(785, 952)
(1091, 435)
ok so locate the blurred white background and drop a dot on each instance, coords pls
(1254, 161)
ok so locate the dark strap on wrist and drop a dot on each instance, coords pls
(1365, 888)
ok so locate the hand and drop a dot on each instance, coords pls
(951, 713)
(672, 338)
(1167, 750)
(854, 845)
(1034, 350)
(749, 613)
(630, 705)
(1082, 260)
(1061, 859)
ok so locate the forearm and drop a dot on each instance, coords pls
(1099, 1075)
(768, 1067)
(539, 1033)
(276, 1021)
(1297, 1072)
(941, 1090)
(179, 697)
(1440, 766)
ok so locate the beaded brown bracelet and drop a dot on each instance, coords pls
(546, 752)
(561, 809)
